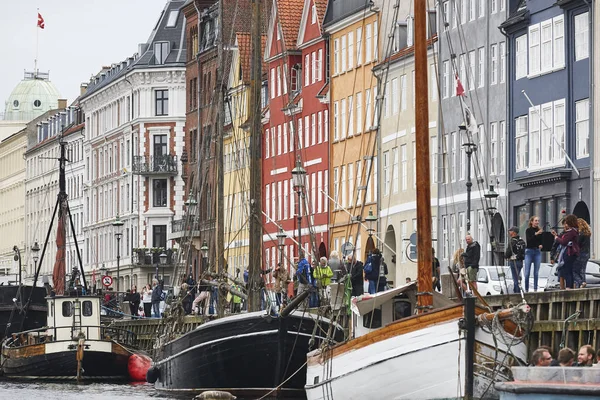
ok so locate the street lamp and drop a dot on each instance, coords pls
(470, 147)
(371, 220)
(163, 262)
(204, 252)
(191, 200)
(102, 272)
(35, 250)
(281, 244)
(298, 175)
(118, 224)
(492, 196)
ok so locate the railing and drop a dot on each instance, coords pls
(150, 165)
(147, 257)
(49, 335)
(191, 224)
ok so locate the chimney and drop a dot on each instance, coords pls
(62, 103)
(83, 88)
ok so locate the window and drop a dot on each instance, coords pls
(521, 144)
(159, 192)
(534, 50)
(368, 109)
(582, 28)
(336, 187)
(161, 52)
(445, 15)
(368, 44)
(387, 99)
(482, 150)
(350, 50)
(546, 46)
(433, 85)
(359, 46)
(350, 117)
(358, 112)
(454, 14)
(351, 194)
(386, 173)
(395, 97)
(582, 118)
(395, 171)
(445, 237)
(409, 31)
(472, 10)
(446, 80)
(307, 70)
(463, 159)
(67, 309)
(482, 8)
(313, 120)
(295, 78)
(463, 72)
(344, 196)
(403, 90)
(313, 14)
(336, 121)
(494, 72)
(336, 56)
(521, 58)
(272, 83)
(494, 148)
(481, 56)
(375, 41)
(404, 166)
(162, 102)
(87, 308)
(502, 62)
(343, 119)
(159, 236)
(502, 147)
(463, 11)
(471, 75)
(279, 81)
(344, 54)
(319, 69)
(320, 118)
(558, 34)
(452, 152)
(172, 21)
(494, 6)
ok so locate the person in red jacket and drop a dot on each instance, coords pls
(569, 240)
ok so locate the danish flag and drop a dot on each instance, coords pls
(40, 23)
(460, 90)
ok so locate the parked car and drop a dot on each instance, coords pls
(489, 281)
(592, 276)
(544, 273)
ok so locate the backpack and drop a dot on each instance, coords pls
(519, 249)
(368, 268)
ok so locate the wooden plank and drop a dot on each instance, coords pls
(24, 351)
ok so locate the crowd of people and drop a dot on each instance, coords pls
(586, 357)
(570, 252)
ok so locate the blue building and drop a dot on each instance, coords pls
(549, 44)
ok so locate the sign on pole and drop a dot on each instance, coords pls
(107, 281)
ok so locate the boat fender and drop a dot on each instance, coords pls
(215, 395)
(138, 366)
(153, 374)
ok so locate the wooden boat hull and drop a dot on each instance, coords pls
(240, 353)
(11, 320)
(421, 357)
(43, 362)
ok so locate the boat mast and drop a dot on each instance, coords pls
(424, 256)
(255, 195)
(220, 220)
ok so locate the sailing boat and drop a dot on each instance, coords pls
(249, 353)
(73, 345)
(447, 350)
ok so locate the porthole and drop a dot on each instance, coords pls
(16, 103)
(37, 103)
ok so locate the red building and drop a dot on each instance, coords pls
(297, 130)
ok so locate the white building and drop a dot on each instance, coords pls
(131, 155)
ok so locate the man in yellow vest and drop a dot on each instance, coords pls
(323, 274)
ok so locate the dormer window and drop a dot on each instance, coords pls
(172, 21)
(314, 14)
(161, 52)
(409, 31)
(278, 33)
(296, 78)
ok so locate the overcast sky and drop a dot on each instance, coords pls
(80, 37)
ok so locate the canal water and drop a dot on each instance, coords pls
(11, 390)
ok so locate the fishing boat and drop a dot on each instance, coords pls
(410, 342)
(73, 344)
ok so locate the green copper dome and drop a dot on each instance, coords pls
(32, 97)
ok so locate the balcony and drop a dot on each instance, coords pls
(151, 257)
(155, 165)
(190, 227)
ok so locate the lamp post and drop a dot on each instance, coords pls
(102, 272)
(470, 147)
(163, 262)
(35, 250)
(281, 244)
(298, 175)
(191, 204)
(371, 220)
(491, 197)
(118, 224)
(204, 253)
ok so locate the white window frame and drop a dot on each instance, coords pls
(446, 79)
(350, 116)
(350, 51)
(582, 38)
(343, 67)
(395, 171)
(336, 122)
(558, 42)
(359, 112)
(359, 46)
(471, 76)
(404, 160)
(534, 53)
(582, 130)
(386, 173)
(368, 43)
(494, 64)
(521, 143)
(494, 148)
(481, 56)
(502, 65)
(403, 91)
(502, 157)
(336, 56)
(343, 129)
(395, 98)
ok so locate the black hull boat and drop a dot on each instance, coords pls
(13, 317)
(245, 354)
(63, 365)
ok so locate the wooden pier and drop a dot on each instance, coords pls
(551, 309)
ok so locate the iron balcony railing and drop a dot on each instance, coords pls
(155, 165)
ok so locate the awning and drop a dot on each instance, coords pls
(366, 303)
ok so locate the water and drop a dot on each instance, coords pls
(72, 391)
(88, 391)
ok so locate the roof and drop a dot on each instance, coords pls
(405, 52)
(32, 97)
(289, 13)
(170, 29)
(244, 44)
(321, 6)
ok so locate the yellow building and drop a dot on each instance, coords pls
(353, 94)
(397, 178)
(236, 161)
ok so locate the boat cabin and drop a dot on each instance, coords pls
(68, 315)
(374, 311)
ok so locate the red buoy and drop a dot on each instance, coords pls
(138, 365)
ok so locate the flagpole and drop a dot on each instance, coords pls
(37, 40)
